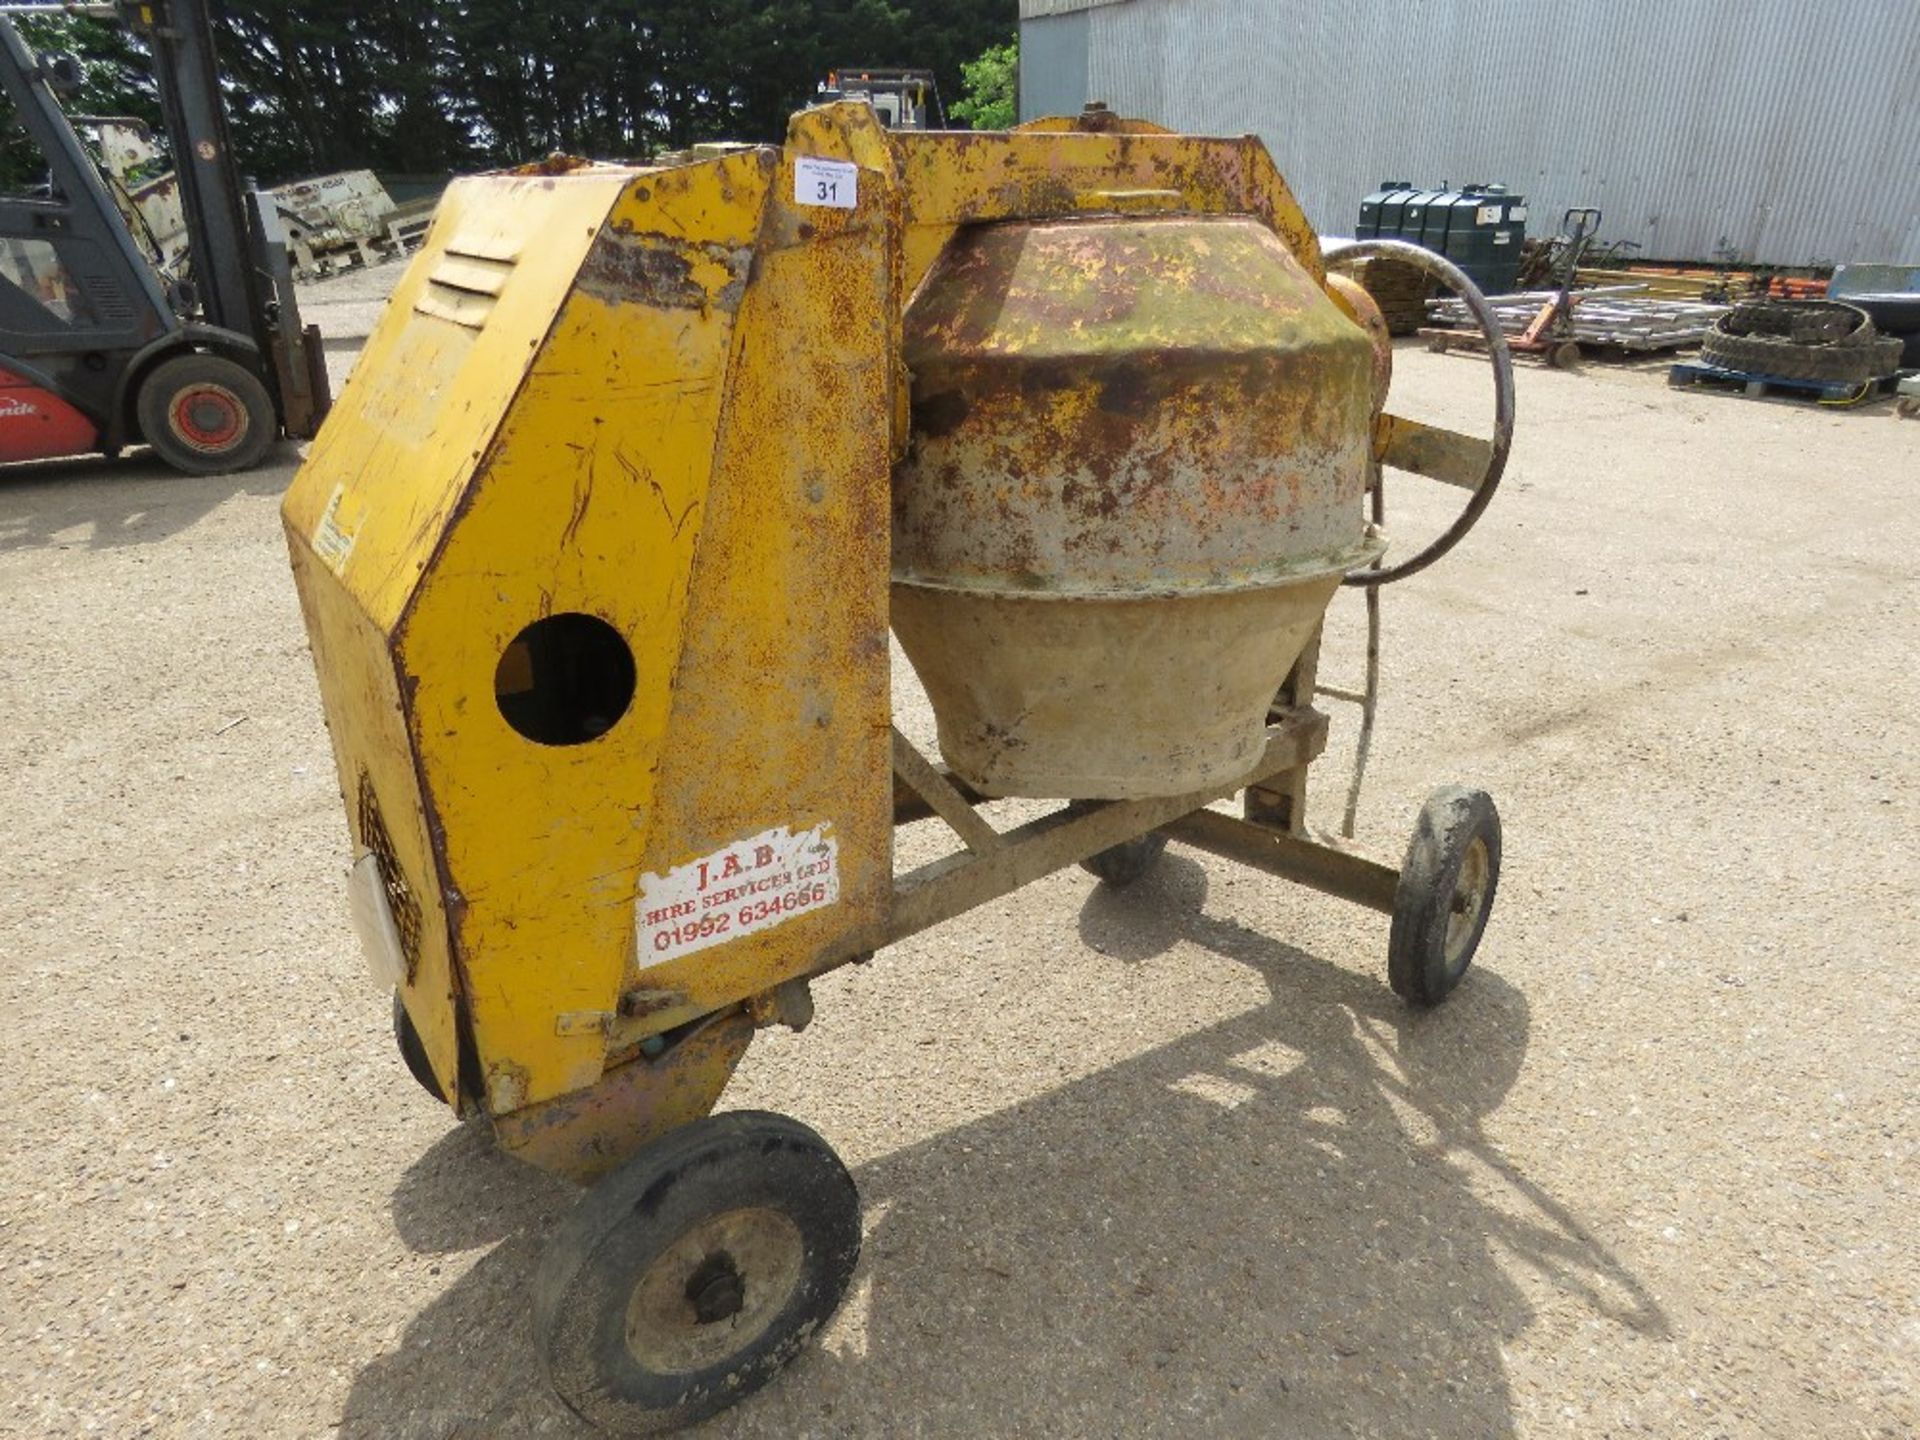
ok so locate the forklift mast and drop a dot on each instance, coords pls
(179, 34)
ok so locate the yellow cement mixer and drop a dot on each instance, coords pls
(599, 553)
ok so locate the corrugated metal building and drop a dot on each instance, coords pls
(1771, 131)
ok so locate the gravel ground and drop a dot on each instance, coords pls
(1163, 1162)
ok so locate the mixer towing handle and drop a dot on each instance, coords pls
(1444, 455)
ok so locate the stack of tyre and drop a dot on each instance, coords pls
(1815, 340)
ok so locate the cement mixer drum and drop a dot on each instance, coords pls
(1134, 481)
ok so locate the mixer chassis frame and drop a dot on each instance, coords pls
(996, 863)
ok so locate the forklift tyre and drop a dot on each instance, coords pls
(206, 416)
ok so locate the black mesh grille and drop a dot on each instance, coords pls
(406, 909)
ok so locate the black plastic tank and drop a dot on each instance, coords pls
(1413, 216)
(1484, 234)
(1383, 206)
(1506, 216)
(1479, 227)
(1464, 226)
(1434, 229)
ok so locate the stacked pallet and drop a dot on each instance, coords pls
(1789, 287)
(1827, 392)
(1400, 290)
(1693, 285)
(1612, 316)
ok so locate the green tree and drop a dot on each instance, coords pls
(338, 84)
(115, 79)
(991, 100)
(114, 82)
(440, 85)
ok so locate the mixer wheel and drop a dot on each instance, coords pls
(1121, 864)
(1445, 894)
(687, 1278)
(412, 1051)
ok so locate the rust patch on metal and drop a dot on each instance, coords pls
(1165, 424)
(664, 273)
(558, 163)
(639, 1004)
(586, 1133)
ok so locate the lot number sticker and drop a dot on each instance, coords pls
(826, 182)
(749, 886)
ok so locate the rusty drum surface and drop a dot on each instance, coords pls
(1138, 453)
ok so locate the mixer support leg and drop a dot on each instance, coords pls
(1281, 803)
(1332, 870)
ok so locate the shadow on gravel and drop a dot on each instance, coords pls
(134, 500)
(1288, 1223)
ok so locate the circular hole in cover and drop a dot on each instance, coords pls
(565, 679)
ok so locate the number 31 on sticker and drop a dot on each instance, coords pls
(835, 183)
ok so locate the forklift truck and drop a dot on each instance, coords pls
(97, 350)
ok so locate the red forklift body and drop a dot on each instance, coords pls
(36, 424)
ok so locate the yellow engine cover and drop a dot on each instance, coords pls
(596, 581)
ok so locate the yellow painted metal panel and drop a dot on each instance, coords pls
(437, 373)
(365, 513)
(592, 498)
(781, 705)
(360, 690)
(850, 131)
